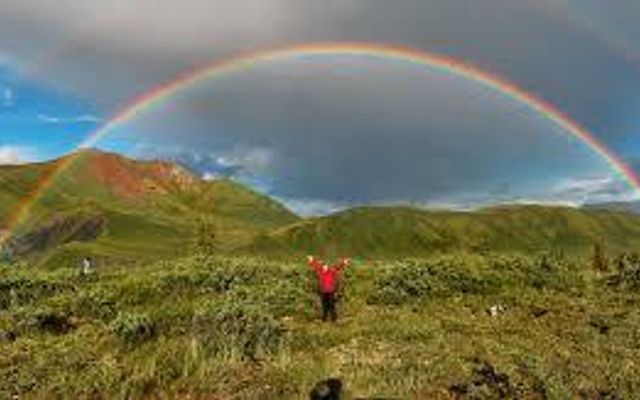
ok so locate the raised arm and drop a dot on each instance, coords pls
(343, 263)
(313, 263)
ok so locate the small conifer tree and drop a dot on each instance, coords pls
(599, 258)
(205, 237)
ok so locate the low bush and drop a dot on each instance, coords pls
(233, 328)
(481, 275)
(628, 272)
(18, 289)
(48, 321)
(419, 280)
(133, 328)
(206, 327)
(98, 303)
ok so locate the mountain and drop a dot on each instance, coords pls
(106, 204)
(113, 207)
(96, 176)
(389, 231)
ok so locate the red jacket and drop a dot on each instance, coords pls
(328, 278)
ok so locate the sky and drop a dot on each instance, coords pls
(324, 133)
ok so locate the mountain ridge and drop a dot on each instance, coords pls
(388, 231)
(626, 206)
(155, 208)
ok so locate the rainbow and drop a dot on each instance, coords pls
(163, 93)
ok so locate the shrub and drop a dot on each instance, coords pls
(290, 294)
(97, 302)
(50, 321)
(404, 283)
(133, 328)
(237, 328)
(415, 280)
(628, 275)
(211, 274)
(460, 280)
(552, 272)
(22, 290)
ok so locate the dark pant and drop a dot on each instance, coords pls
(328, 306)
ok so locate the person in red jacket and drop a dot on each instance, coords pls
(327, 284)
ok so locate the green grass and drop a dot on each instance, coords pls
(390, 231)
(248, 328)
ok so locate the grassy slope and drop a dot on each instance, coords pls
(149, 213)
(387, 231)
(16, 181)
(163, 222)
(246, 328)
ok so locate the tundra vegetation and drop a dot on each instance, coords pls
(241, 327)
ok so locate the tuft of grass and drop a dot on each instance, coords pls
(234, 329)
(133, 328)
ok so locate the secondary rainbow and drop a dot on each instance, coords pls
(163, 93)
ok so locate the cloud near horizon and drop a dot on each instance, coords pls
(595, 190)
(14, 155)
(86, 118)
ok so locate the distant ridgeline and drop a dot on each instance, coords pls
(110, 206)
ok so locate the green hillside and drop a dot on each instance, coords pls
(388, 231)
(158, 209)
(627, 206)
(149, 208)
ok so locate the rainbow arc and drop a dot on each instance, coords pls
(152, 99)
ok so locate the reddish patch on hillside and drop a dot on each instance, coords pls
(133, 179)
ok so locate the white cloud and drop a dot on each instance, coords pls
(48, 119)
(86, 118)
(445, 205)
(11, 155)
(584, 185)
(210, 176)
(8, 97)
(594, 190)
(543, 202)
(311, 207)
(252, 160)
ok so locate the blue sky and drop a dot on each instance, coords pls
(38, 122)
(319, 135)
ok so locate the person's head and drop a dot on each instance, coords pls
(325, 267)
(329, 389)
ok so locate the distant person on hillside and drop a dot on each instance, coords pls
(327, 284)
(87, 266)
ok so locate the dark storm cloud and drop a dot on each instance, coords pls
(634, 164)
(115, 49)
(324, 135)
(371, 132)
